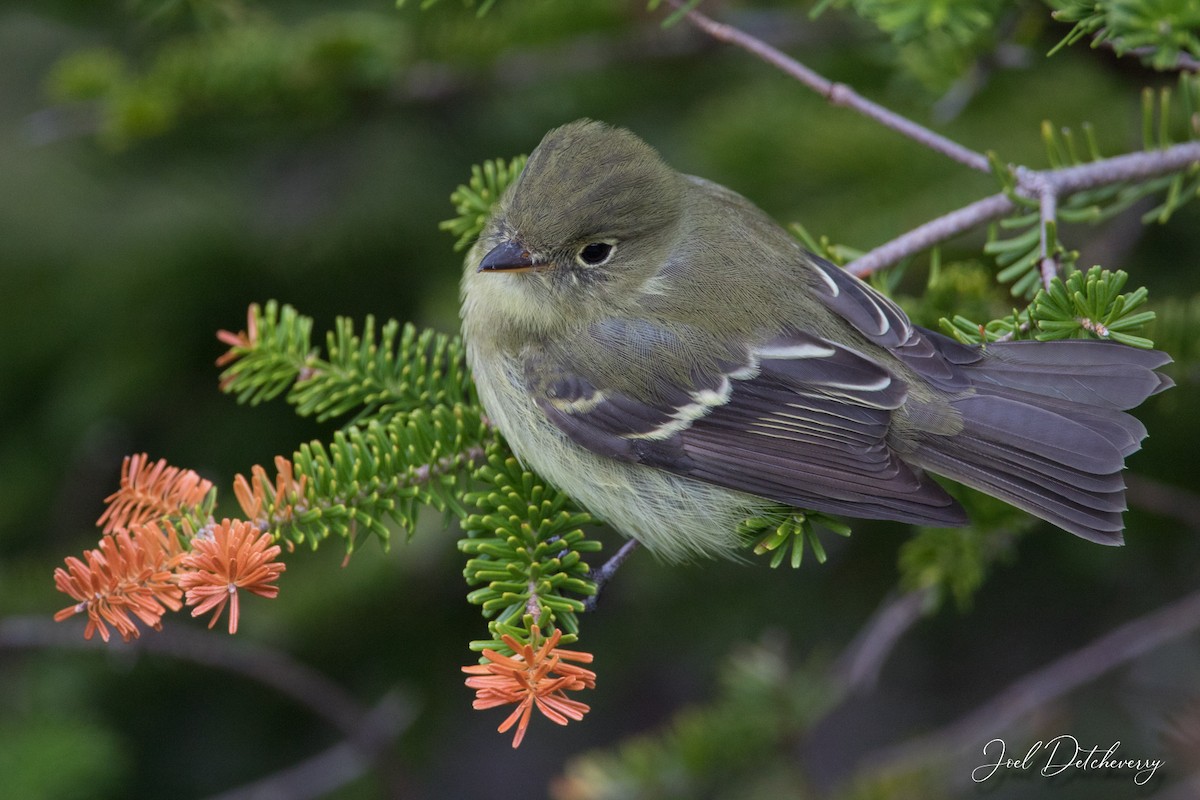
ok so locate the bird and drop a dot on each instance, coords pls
(662, 351)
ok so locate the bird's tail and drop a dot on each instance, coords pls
(1045, 429)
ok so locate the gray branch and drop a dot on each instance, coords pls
(836, 93)
(1046, 187)
(933, 232)
(859, 665)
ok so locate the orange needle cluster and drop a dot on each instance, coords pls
(131, 572)
(141, 569)
(150, 492)
(230, 556)
(532, 676)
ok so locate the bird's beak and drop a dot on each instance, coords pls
(510, 256)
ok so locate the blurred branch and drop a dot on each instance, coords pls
(336, 767)
(857, 668)
(1186, 789)
(367, 732)
(1119, 646)
(1163, 499)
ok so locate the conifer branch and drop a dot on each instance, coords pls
(526, 545)
(153, 492)
(1183, 61)
(1163, 37)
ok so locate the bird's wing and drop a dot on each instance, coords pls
(797, 419)
(935, 357)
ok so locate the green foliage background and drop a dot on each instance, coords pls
(164, 164)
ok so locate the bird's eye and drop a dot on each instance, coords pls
(595, 253)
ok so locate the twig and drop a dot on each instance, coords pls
(1040, 185)
(927, 235)
(1111, 650)
(603, 574)
(837, 93)
(857, 668)
(1185, 62)
(426, 472)
(1047, 187)
(1127, 167)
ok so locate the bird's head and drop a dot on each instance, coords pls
(581, 232)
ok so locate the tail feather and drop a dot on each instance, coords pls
(1105, 492)
(1089, 372)
(1123, 431)
(1038, 431)
(1044, 429)
(1047, 499)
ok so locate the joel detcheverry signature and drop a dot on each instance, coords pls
(1062, 755)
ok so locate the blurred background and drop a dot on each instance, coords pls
(165, 164)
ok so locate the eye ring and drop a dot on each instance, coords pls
(594, 254)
